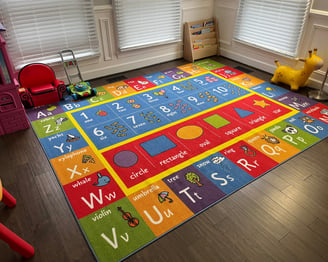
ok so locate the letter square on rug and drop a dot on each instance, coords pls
(216, 121)
(158, 145)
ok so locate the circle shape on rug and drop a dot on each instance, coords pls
(190, 132)
(125, 158)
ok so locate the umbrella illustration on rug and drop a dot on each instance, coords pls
(163, 196)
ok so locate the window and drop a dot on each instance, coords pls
(274, 25)
(38, 29)
(142, 23)
(320, 5)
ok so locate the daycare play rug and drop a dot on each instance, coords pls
(147, 154)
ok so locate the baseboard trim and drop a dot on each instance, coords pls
(135, 64)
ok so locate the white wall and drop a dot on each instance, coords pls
(315, 36)
(113, 61)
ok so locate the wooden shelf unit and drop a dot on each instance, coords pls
(200, 39)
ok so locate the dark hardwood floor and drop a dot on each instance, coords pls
(282, 216)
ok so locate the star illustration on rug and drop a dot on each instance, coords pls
(260, 103)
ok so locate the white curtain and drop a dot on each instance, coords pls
(38, 29)
(274, 25)
(142, 23)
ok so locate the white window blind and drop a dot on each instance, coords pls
(274, 25)
(38, 29)
(142, 23)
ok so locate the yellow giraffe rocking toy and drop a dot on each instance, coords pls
(297, 78)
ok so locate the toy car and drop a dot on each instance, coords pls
(81, 90)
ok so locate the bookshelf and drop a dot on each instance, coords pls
(200, 39)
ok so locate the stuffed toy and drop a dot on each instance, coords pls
(297, 78)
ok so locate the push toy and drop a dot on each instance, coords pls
(78, 89)
(297, 78)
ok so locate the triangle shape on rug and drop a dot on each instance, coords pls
(242, 112)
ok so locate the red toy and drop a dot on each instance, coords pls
(15, 242)
(39, 85)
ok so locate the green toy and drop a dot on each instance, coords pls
(78, 89)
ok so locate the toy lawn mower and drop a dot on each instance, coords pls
(77, 89)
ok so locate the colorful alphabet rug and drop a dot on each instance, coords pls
(147, 154)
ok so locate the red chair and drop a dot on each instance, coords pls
(39, 86)
(15, 242)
